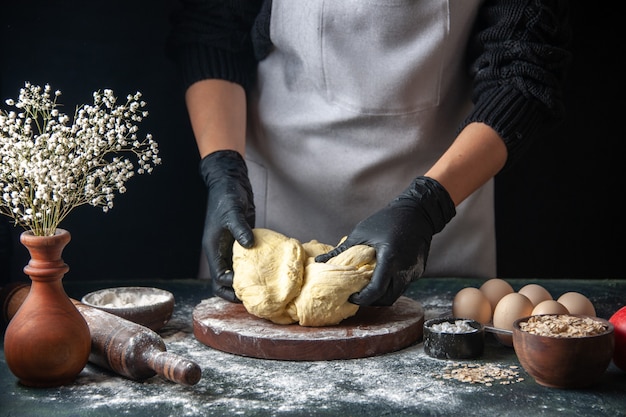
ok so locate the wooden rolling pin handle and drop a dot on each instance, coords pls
(11, 298)
(175, 368)
(132, 350)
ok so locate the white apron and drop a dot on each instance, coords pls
(358, 98)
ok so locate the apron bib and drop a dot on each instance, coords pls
(357, 98)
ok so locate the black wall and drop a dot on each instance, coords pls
(557, 211)
(154, 229)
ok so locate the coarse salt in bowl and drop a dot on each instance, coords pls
(454, 338)
(147, 306)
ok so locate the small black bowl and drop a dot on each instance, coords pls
(454, 344)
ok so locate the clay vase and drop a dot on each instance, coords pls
(47, 343)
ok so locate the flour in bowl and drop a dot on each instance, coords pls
(114, 298)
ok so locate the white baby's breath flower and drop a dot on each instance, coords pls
(49, 167)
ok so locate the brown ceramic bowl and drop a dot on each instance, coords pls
(150, 307)
(564, 362)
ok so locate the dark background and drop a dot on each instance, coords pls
(558, 214)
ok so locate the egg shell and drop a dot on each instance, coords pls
(577, 303)
(535, 293)
(471, 303)
(549, 307)
(494, 289)
(510, 308)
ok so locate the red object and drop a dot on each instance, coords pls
(619, 322)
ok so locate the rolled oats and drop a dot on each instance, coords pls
(563, 325)
(486, 374)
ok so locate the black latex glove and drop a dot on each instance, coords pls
(401, 234)
(230, 215)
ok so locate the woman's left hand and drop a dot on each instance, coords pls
(401, 234)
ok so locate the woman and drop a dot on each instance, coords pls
(382, 121)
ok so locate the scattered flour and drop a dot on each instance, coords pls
(389, 384)
(405, 383)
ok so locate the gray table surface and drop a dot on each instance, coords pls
(403, 383)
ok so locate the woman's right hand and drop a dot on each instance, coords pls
(230, 216)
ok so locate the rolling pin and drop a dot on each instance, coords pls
(117, 344)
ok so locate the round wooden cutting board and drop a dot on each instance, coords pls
(372, 331)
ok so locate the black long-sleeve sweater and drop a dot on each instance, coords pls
(518, 57)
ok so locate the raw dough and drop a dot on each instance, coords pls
(277, 281)
(326, 287)
(269, 275)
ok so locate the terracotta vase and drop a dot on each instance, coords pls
(47, 343)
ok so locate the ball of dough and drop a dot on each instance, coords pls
(269, 275)
(278, 279)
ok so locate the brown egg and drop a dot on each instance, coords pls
(510, 308)
(535, 293)
(471, 303)
(494, 289)
(576, 303)
(549, 307)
